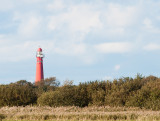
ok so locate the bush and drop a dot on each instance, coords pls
(64, 96)
(51, 98)
(143, 92)
(17, 94)
(148, 96)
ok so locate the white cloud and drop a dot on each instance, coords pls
(117, 67)
(70, 49)
(152, 46)
(148, 23)
(120, 16)
(29, 25)
(81, 51)
(149, 26)
(114, 47)
(78, 18)
(6, 5)
(56, 5)
(74, 23)
(31, 1)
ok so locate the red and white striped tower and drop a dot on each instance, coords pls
(39, 66)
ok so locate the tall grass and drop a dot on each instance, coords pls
(76, 113)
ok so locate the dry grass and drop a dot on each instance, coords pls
(76, 113)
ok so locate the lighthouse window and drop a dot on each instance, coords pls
(39, 54)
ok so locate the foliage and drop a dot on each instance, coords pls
(17, 94)
(23, 92)
(63, 96)
(148, 96)
(143, 92)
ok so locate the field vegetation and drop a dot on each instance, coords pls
(73, 113)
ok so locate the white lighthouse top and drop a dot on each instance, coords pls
(39, 53)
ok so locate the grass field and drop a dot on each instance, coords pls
(76, 113)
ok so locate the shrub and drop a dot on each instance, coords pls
(17, 94)
(51, 98)
(148, 96)
(64, 96)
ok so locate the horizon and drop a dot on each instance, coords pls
(82, 40)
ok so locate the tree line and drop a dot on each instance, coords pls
(143, 92)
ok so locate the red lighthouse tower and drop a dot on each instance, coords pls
(39, 68)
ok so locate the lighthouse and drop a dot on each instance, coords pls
(39, 66)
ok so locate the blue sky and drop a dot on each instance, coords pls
(82, 40)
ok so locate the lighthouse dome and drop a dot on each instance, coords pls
(39, 50)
